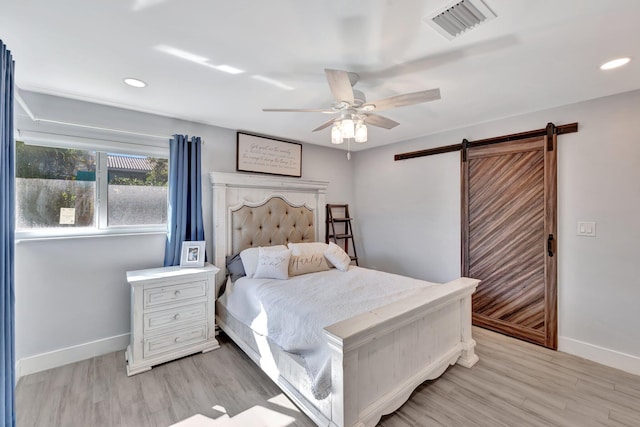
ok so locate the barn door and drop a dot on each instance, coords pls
(508, 236)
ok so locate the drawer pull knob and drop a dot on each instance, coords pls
(177, 339)
(177, 293)
(177, 316)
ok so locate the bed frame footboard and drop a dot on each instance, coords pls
(378, 358)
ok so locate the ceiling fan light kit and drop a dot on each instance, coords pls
(355, 112)
(361, 132)
(347, 128)
(336, 134)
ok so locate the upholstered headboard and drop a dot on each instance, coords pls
(263, 210)
(274, 222)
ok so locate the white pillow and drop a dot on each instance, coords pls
(249, 258)
(298, 249)
(273, 264)
(338, 257)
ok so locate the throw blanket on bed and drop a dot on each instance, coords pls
(293, 312)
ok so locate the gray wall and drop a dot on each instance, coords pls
(408, 218)
(70, 292)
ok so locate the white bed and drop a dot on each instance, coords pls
(376, 358)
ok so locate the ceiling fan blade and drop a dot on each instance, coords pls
(380, 121)
(340, 85)
(299, 110)
(405, 99)
(324, 125)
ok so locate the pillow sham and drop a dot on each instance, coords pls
(304, 264)
(273, 264)
(338, 257)
(307, 258)
(235, 269)
(249, 258)
(298, 249)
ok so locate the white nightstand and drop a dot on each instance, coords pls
(172, 315)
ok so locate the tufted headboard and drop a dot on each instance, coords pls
(262, 210)
(274, 222)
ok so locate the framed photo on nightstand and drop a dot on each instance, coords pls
(192, 254)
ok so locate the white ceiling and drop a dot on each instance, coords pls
(534, 55)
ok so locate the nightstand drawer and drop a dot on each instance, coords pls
(174, 293)
(174, 317)
(174, 341)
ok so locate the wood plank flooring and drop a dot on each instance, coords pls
(514, 384)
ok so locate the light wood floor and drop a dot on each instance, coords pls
(513, 384)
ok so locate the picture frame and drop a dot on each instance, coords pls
(192, 254)
(263, 154)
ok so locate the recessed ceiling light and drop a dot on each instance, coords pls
(614, 64)
(134, 82)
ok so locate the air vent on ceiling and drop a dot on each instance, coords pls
(459, 17)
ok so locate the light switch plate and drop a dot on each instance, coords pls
(586, 228)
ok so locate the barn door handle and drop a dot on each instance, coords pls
(550, 245)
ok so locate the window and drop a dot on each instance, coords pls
(60, 188)
(137, 192)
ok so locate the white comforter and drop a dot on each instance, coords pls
(293, 312)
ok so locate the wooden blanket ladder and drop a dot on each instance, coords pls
(339, 214)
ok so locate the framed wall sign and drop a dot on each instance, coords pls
(263, 154)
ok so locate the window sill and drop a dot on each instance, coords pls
(83, 233)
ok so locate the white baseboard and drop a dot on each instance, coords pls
(64, 356)
(604, 356)
(53, 359)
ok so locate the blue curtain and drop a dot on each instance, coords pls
(185, 196)
(7, 221)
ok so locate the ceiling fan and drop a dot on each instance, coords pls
(354, 111)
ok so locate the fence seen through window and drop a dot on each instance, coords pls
(62, 188)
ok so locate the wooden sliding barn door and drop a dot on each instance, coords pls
(508, 236)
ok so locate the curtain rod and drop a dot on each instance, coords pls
(32, 116)
(562, 129)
